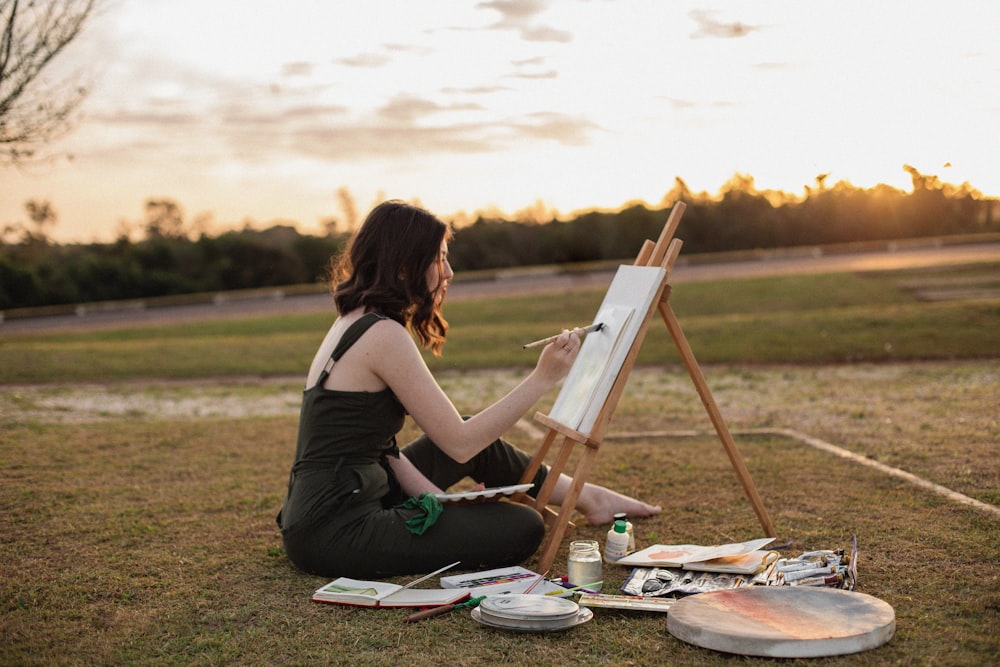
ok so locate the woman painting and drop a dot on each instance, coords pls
(347, 511)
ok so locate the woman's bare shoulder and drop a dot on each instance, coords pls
(388, 328)
(387, 339)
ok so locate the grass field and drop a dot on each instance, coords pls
(810, 319)
(142, 467)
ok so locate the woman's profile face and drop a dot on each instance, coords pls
(439, 273)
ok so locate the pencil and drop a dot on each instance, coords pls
(546, 341)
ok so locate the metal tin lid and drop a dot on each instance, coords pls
(534, 608)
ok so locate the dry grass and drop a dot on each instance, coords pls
(135, 535)
(138, 514)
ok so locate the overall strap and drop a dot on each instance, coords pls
(349, 338)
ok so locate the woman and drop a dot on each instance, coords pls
(350, 508)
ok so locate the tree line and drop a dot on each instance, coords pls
(173, 258)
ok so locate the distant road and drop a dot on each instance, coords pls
(698, 268)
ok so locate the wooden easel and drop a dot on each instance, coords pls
(661, 254)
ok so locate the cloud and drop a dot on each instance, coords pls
(517, 15)
(545, 34)
(297, 69)
(400, 139)
(709, 28)
(310, 112)
(561, 128)
(688, 113)
(475, 90)
(548, 74)
(410, 108)
(290, 118)
(365, 60)
(682, 104)
(525, 62)
(380, 140)
(152, 117)
(515, 12)
(532, 62)
(409, 48)
(384, 57)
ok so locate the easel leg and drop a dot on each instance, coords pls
(545, 493)
(566, 509)
(542, 497)
(701, 385)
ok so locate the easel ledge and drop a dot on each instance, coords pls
(664, 254)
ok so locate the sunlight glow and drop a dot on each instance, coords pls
(265, 112)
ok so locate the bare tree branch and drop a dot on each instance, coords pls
(32, 111)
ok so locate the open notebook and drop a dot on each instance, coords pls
(384, 594)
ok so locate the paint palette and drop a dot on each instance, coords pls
(783, 621)
(482, 494)
(530, 613)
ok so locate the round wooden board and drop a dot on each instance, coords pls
(783, 621)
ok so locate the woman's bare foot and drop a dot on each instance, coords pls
(600, 505)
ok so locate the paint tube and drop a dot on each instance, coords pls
(832, 580)
(826, 570)
(794, 565)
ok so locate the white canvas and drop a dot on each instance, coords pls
(623, 313)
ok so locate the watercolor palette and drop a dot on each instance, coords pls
(483, 494)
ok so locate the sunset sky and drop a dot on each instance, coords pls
(263, 110)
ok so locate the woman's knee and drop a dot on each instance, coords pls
(526, 524)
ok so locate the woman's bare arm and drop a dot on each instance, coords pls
(393, 356)
(412, 481)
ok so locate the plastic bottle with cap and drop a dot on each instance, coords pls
(628, 529)
(617, 545)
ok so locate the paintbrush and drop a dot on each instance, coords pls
(546, 341)
(583, 588)
(443, 609)
(536, 582)
(428, 576)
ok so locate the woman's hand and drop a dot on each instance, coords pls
(558, 356)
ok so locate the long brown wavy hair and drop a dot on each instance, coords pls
(384, 269)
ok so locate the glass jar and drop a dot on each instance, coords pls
(584, 565)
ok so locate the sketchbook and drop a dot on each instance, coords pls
(623, 313)
(504, 580)
(385, 594)
(749, 563)
(684, 555)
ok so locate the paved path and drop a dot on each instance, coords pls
(765, 263)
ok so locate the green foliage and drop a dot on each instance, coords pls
(38, 273)
(17, 285)
(34, 273)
